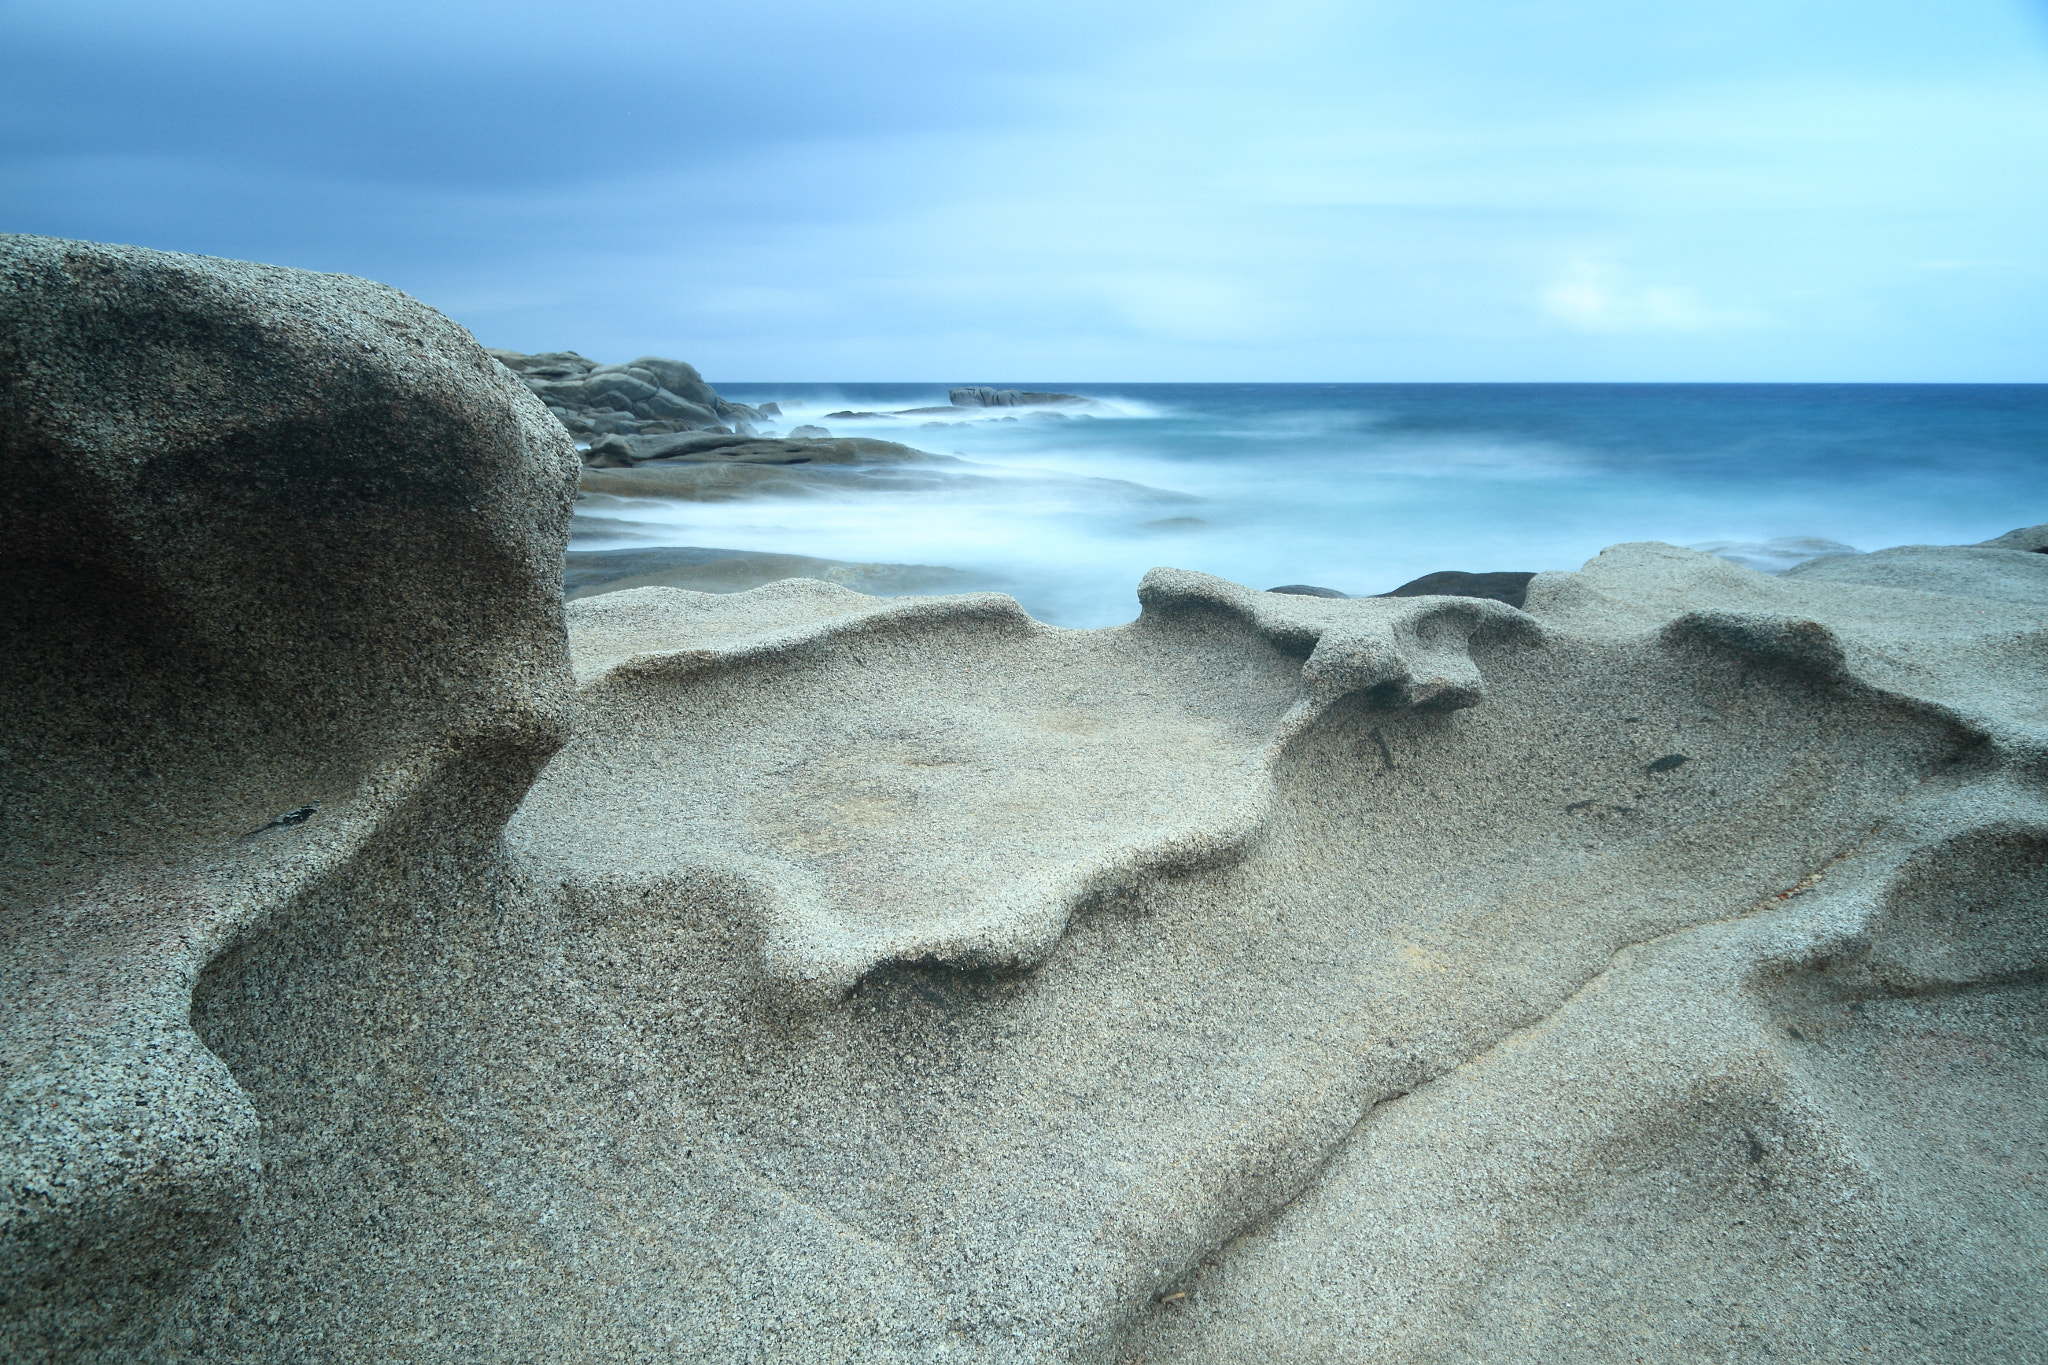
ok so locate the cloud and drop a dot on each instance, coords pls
(1308, 189)
(1596, 297)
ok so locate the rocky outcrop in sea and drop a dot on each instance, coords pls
(1647, 961)
(651, 396)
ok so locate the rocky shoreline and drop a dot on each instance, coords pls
(1648, 961)
(655, 408)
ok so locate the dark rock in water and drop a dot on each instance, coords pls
(613, 452)
(275, 541)
(682, 380)
(1511, 588)
(810, 432)
(850, 413)
(652, 393)
(978, 397)
(769, 410)
(1296, 589)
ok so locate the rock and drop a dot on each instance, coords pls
(645, 395)
(612, 452)
(1652, 970)
(1499, 587)
(283, 652)
(769, 410)
(1992, 570)
(849, 413)
(550, 365)
(976, 397)
(681, 378)
(727, 448)
(592, 573)
(1297, 589)
(2033, 539)
(808, 433)
(705, 468)
(1775, 556)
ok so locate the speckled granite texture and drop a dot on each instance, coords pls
(1653, 971)
(283, 643)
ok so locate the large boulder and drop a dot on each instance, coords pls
(680, 378)
(284, 646)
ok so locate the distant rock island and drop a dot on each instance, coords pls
(1642, 962)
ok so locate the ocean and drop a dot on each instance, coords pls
(1362, 487)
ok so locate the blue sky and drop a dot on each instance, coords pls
(786, 190)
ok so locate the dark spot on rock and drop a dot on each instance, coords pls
(1667, 763)
(1385, 752)
(1795, 1033)
(1577, 805)
(1306, 590)
(290, 817)
(1385, 696)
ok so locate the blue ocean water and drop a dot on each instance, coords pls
(1361, 487)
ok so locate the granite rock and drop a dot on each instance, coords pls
(284, 645)
(1653, 969)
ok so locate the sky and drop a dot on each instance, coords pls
(1381, 190)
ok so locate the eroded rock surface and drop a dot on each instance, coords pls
(1273, 978)
(1655, 969)
(283, 645)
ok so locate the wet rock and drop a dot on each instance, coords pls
(974, 396)
(1507, 587)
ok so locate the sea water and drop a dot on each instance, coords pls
(1361, 487)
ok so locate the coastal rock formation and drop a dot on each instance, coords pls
(975, 396)
(1657, 968)
(645, 397)
(1273, 978)
(284, 648)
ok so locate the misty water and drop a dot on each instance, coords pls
(1361, 487)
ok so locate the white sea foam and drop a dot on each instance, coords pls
(1343, 487)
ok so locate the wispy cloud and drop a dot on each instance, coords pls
(1598, 297)
(1306, 189)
